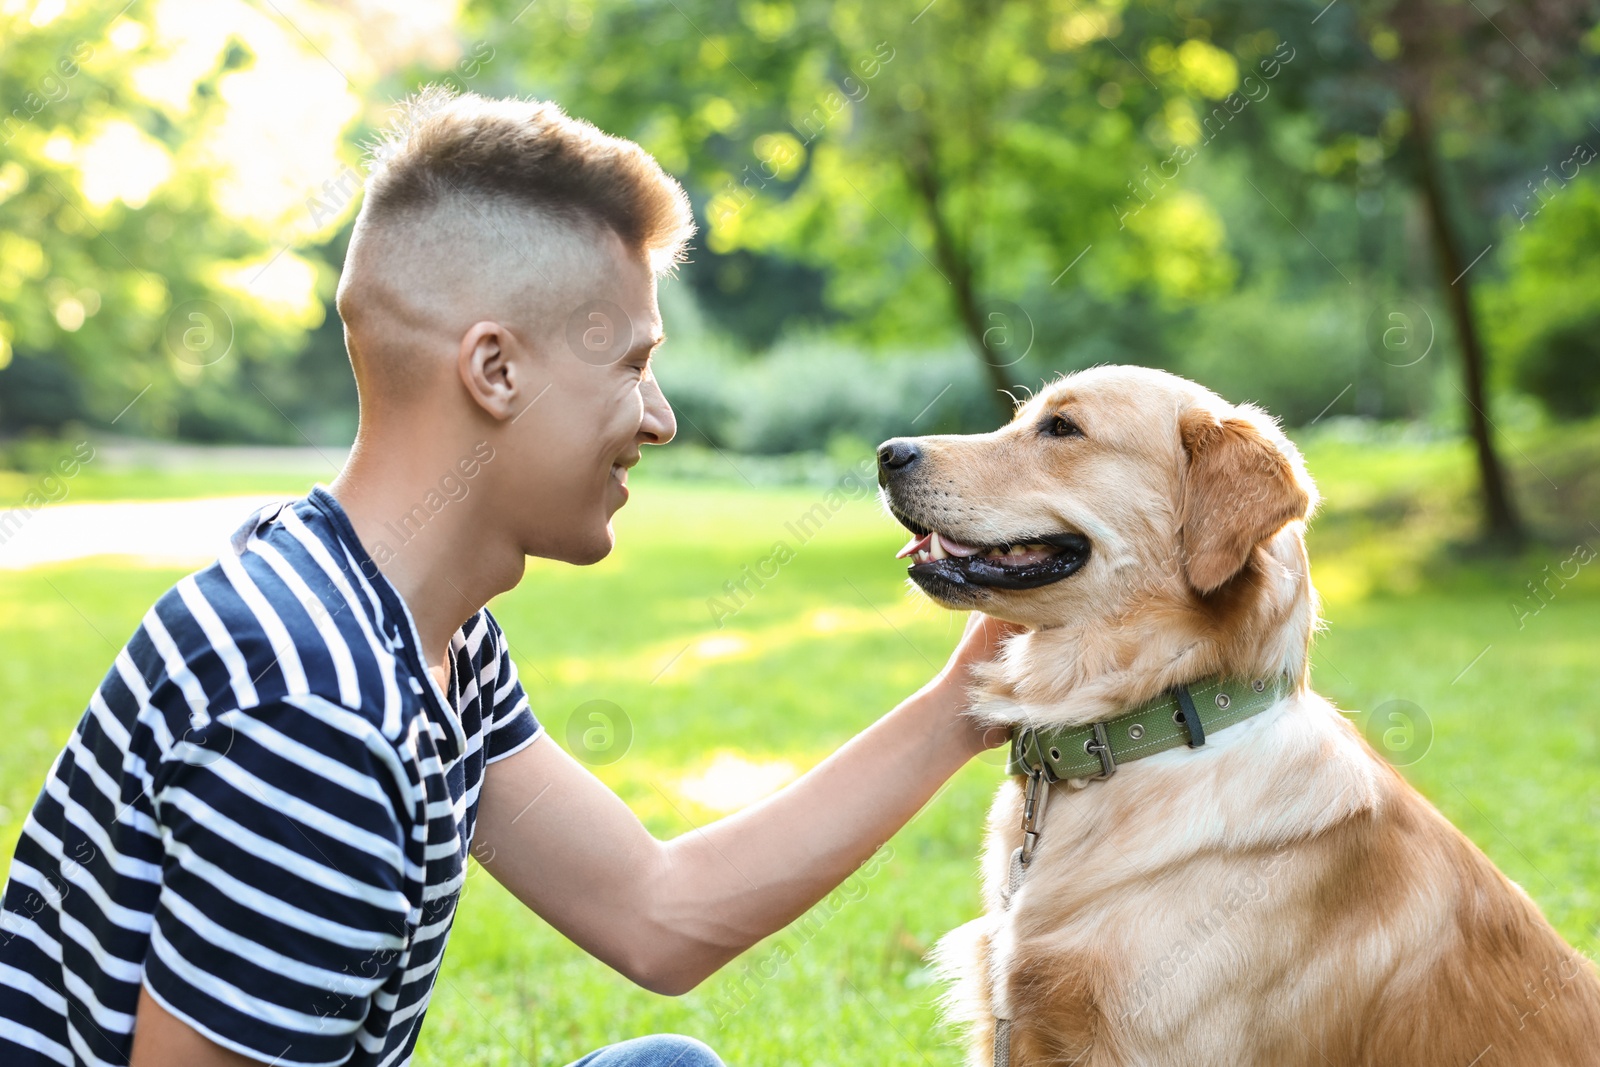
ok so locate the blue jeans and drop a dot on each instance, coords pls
(657, 1050)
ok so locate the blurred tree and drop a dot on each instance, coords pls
(1441, 57)
(1544, 315)
(934, 165)
(145, 251)
(757, 296)
(1429, 83)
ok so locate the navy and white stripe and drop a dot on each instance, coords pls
(264, 815)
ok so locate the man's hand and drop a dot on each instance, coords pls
(668, 914)
(979, 644)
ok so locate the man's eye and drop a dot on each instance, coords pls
(1062, 426)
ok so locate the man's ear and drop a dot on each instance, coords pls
(1241, 487)
(484, 363)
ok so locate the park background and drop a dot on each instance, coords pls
(1377, 219)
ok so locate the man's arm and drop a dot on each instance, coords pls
(162, 1040)
(668, 914)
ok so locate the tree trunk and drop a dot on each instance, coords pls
(955, 263)
(1501, 521)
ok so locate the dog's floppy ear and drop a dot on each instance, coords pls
(1244, 482)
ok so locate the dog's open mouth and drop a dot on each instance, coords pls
(1025, 563)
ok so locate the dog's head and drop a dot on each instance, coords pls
(1114, 493)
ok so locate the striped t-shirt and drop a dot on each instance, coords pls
(264, 815)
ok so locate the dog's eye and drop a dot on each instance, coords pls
(1062, 426)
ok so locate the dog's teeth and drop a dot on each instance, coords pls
(1018, 550)
(936, 547)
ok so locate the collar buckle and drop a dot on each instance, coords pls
(1099, 746)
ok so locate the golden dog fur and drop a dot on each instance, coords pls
(1277, 897)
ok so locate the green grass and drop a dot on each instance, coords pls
(833, 641)
(143, 483)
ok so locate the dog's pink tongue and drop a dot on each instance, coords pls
(956, 548)
(928, 541)
(916, 544)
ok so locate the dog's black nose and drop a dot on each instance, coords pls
(897, 455)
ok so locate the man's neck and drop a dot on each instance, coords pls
(437, 552)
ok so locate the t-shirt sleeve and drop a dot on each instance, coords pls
(285, 903)
(511, 722)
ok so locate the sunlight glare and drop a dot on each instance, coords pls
(731, 781)
(122, 163)
(285, 286)
(47, 11)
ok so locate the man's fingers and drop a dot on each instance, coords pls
(989, 631)
(979, 642)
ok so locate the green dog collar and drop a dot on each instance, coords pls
(1184, 715)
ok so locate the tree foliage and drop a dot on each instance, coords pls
(130, 281)
(1234, 190)
(945, 168)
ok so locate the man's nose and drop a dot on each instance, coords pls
(896, 456)
(660, 425)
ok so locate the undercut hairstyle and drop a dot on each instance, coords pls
(448, 149)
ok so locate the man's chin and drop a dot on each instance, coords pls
(594, 550)
(579, 550)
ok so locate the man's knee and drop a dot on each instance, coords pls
(676, 1050)
(657, 1050)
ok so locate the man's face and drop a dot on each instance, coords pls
(593, 402)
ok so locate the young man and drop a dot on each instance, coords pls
(252, 846)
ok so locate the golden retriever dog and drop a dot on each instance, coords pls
(1275, 895)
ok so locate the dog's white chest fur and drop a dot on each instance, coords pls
(1163, 882)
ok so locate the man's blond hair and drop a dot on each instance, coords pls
(448, 148)
(478, 209)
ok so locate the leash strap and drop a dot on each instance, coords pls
(1035, 795)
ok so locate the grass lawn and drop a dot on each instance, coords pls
(829, 643)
